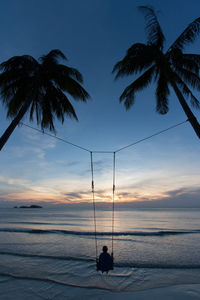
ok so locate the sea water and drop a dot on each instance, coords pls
(152, 247)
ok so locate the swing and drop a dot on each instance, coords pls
(92, 172)
(105, 261)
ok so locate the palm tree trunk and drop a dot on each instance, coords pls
(4, 138)
(191, 118)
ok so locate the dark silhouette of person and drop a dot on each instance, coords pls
(105, 261)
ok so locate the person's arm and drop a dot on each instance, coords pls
(97, 262)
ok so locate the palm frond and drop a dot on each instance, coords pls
(62, 71)
(190, 65)
(32, 109)
(36, 107)
(17, 74)
(66, 106)
(7, 91)
(16, 91)
(162, 93)
(75, 74)
(193, 100)
(189, 77)
(16, 101)
(138, 58)
(53, 56)
(128, 95)
(47, 120)
(194, 58)
(154, 32)
(186, 91)
(179, 60)
(54, 104)
(24, 62)
(188, 36)
(72, 87)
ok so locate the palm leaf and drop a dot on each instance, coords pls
(186, 91)
(47, 116)
(52, 57)
(16, 101)
(72, 87)
(24, 63)
(54, 103)
(188, 36)
(61, 71)
(138, 58)
(190, 64)
(189, 77)
(154, 32)
(162, 92)
(179, 60)
(128, 95)
(194, 58)
(71, 72)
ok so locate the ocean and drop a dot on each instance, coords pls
(152, 247)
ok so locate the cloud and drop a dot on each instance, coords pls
(75, 196)
(100, 168)
(183, 197)
(157, 187)
(100, 196)
(34, 144)
(11, 183)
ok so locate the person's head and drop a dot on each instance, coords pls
(105, 248)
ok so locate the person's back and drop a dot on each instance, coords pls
(105, 262)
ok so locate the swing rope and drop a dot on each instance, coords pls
(94, 204)
(113, 201)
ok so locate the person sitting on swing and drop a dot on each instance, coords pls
(105, 261)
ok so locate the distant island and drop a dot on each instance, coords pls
(28, 206)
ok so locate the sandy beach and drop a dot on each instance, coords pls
(12, 288)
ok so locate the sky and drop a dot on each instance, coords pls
(94, 35)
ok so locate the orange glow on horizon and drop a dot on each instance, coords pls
(100, 197)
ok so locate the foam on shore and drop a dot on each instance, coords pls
(12, 288)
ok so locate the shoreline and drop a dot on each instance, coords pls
(11, 288)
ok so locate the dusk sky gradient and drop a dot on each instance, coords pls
(94, 35)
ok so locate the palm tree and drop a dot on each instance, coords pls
(39, 87)
(168, 69)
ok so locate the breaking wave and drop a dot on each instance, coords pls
(122, 264)
(100, 233)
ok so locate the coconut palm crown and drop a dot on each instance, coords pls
(40, 88)
(168, 69)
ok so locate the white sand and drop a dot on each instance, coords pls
(20, 289)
